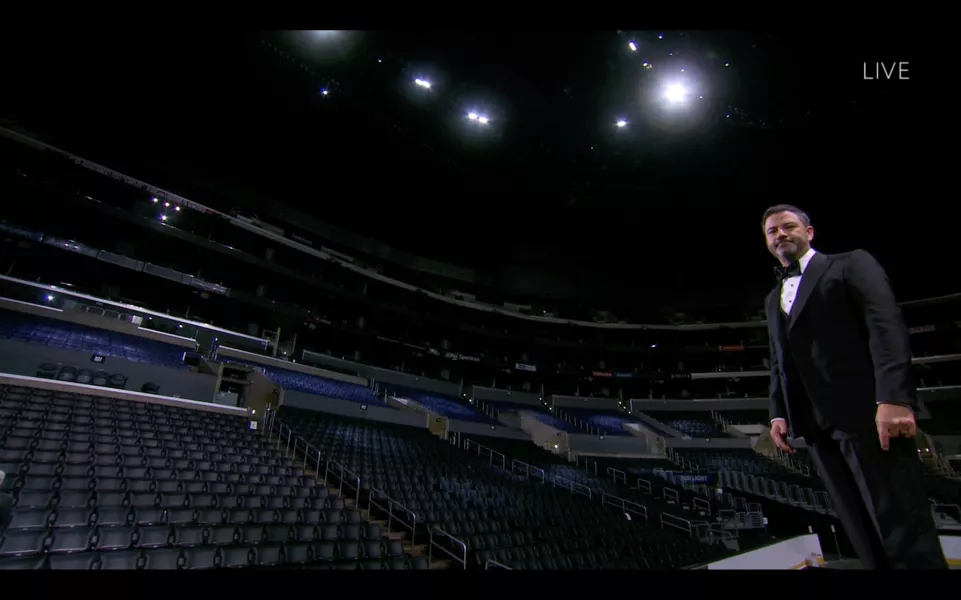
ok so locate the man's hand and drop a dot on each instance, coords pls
(779, 435)
(895, 420)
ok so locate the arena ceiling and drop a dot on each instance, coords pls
(592, 148)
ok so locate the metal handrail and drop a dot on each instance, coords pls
(515, 464)
(573, 486)
(294, 444)
(341, 475)
(271, 419)
(493, 563)
(391, 503)
(669, 520)
(727, 515)
(432, 543)
(490, 451)
(300, 443)
(644, 485)
(624, 504)
(617, 475)
(718, 529)
(712, 531)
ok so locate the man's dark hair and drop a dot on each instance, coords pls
(779, 208)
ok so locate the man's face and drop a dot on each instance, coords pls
(787, 237)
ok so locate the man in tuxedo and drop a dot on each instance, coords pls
(841, 379)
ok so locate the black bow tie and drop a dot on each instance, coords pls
(792, 270)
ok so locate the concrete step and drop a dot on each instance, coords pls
(350, 499)
(349, 503)
(442, 564)
(418, 550)
(394, 535)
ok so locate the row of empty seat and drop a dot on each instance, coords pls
(445, 406)
(102, 483)
(64, 334)
(555, 422)
(84, 376)
(314, 384)
(510, 517)
(696, 424)
(604, 422)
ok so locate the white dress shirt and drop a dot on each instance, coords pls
(789, 288)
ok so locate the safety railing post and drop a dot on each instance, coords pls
(413, 531)
(669, 520)
(431, 543)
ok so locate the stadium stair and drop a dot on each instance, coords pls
(102, 484)
(463, 503)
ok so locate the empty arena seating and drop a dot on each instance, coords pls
(507, 405)
(442, 405)
(62, 334)
(518, 521)
(80, 375)
(745, 417)
(772, 480)
(607, 423)
(110, 484)
(314, 384)
(743, 460)
(555, 422)
(692, 423)
(650, 422)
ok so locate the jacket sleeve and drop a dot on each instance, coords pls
(888, 337)
(6, 510)
(776, 393)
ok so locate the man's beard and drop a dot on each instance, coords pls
(789, 250)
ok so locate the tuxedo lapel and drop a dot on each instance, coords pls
(774, 314)
(809, 280)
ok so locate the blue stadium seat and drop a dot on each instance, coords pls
(63, 334)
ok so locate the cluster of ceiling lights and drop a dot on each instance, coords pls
(677, 90)
(473, 116)
(679, 93)
(675, 93)
(166, 205)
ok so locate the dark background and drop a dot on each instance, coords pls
(667, 207)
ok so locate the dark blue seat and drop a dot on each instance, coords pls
(63, 334)
(314, 384)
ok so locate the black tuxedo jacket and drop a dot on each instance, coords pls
(848, 342)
